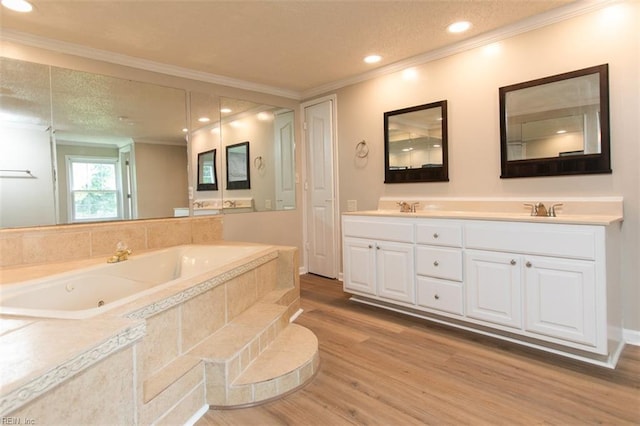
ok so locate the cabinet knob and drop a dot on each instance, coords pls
(436, 263)
(370, 246)
(436, 297)
(528, 264)
(377, 247)
(513, 261)
(435, 235)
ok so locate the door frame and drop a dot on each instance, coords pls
(337, 251)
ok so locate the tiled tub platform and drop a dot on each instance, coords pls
(225, 341)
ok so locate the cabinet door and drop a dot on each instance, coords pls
(394, 270)
(494, 288)
(359, 266)
(561, 299)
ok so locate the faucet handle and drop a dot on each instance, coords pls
(552, 209)
(534, 208)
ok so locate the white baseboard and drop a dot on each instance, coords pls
(631, 337)
(302, 270)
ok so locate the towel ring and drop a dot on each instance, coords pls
(258, 163)
(362, 150)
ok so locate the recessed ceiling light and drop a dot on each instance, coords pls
(459, 27)
(372, 59)
(204, 119)
(225, 110)
(185, 130)
(18, 5)
(561, 132)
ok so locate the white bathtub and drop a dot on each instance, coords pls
(87, 292)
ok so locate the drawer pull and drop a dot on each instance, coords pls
(377, 247)
(513, 261)
(370, 246)
(528, 264)
(436, 297)
(435, 235)
(436, 263)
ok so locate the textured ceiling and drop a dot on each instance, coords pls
(291, 45)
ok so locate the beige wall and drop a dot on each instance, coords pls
(469, 81)
(161, 179)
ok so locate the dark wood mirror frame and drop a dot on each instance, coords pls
(561, 165)
(424, 174)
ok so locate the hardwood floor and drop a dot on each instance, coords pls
(382, 368)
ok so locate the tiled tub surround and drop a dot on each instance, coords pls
(67, 243)
(176, 352)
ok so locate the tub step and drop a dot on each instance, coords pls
(288, 363)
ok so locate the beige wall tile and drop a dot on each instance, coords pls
(215, 383)
(242, 292)
(167, 233)
(202, 316)
(160, 345)
(240, 395)
(288, 381)
(158, 406)
(265, 390)
(11, 249)
(266, 276)
(187, 407)
(56, 246)
(104, 239)
(99, 395)
(206, 229)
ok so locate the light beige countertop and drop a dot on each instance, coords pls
(577, 211)
(590, 219)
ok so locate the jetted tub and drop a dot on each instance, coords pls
(87, 292)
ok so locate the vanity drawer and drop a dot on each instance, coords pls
(377, 229)
(441, 295)
(439, 262)
(439, 233)
(571, 241)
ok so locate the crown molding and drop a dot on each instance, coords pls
(550, 17)
(143, 64)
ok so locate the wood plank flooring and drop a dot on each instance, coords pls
(382, 368)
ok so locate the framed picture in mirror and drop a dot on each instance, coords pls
(207, 174)
(557, 125)
(237, 161)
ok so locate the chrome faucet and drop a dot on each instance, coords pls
(122, 253)
(538, 209)
(406, 207)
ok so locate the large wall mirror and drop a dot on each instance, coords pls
(556, 125)
(96, 147)
(82, 147)
(415, 142)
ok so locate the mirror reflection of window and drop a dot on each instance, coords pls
(207, 175)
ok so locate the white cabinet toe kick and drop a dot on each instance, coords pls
(549, 286)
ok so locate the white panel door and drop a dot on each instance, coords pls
(285, 162)
(321, 247)
(494, 288)
(561, 299)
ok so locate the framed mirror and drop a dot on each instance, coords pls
(415, 144)
(557, 125)
(207, 174)
(237, 161)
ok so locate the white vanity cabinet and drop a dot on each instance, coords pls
(540, 283)
(506, 276)
(378, 258)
